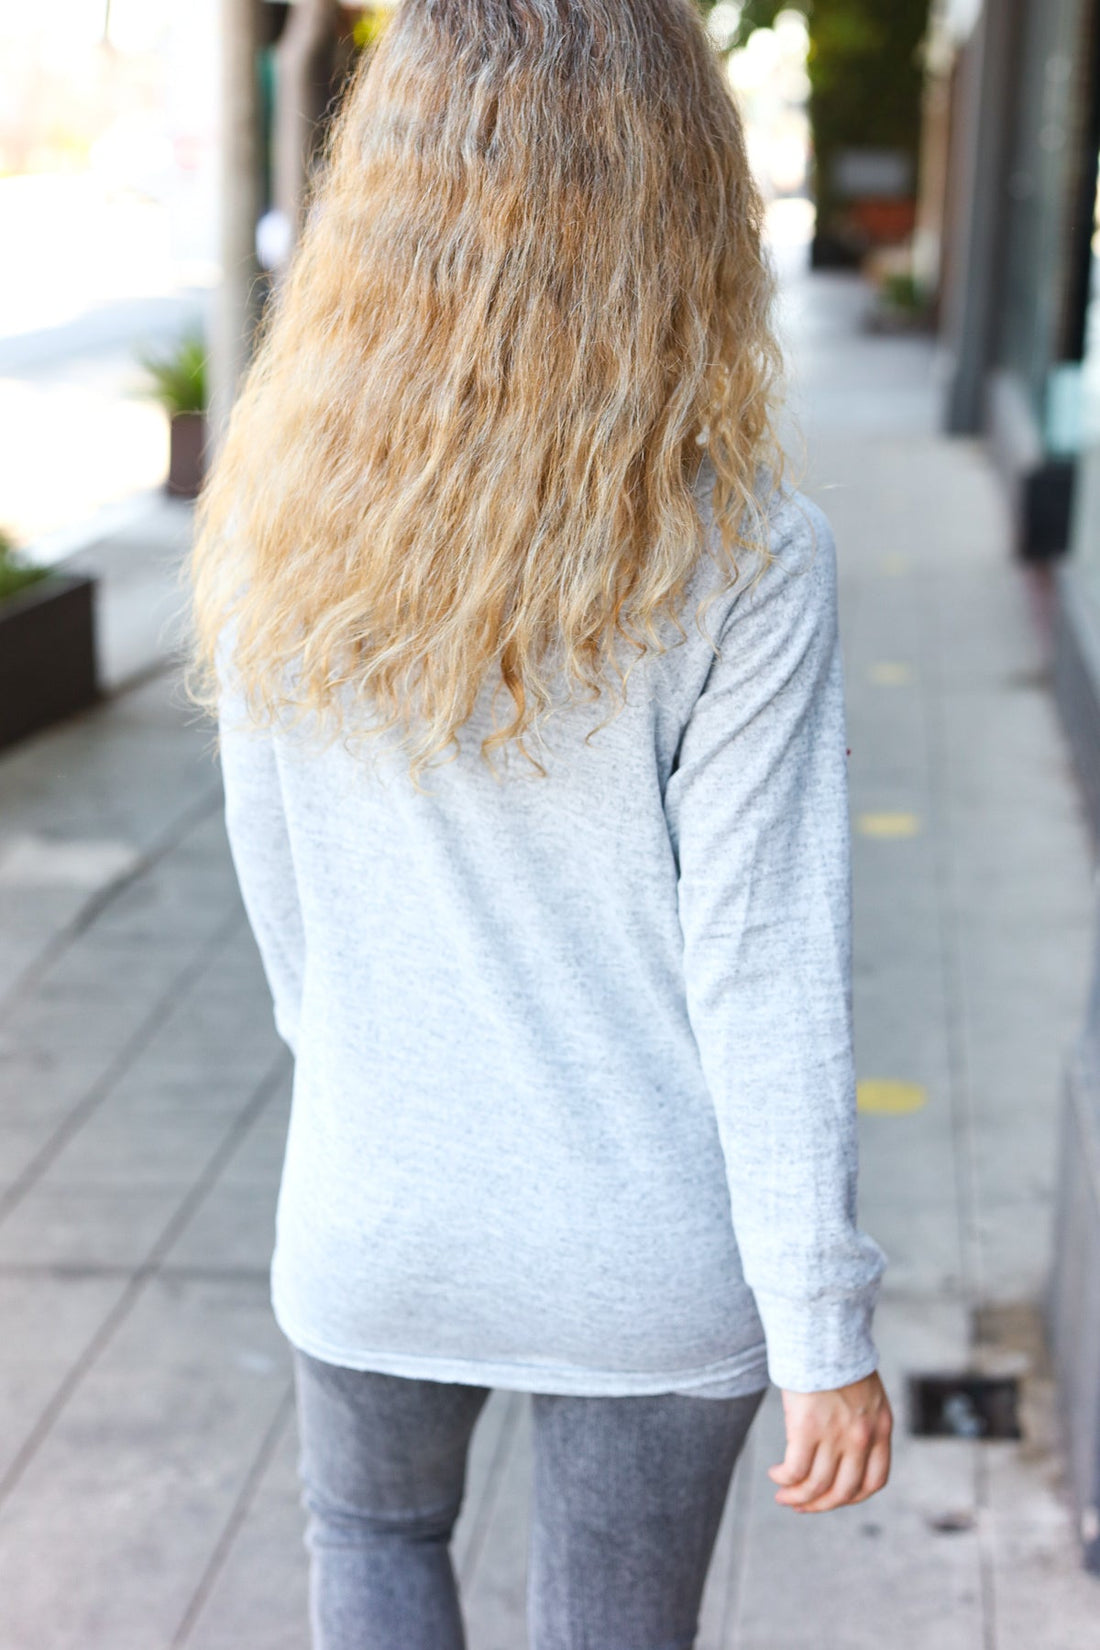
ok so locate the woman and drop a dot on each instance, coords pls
(530, 697)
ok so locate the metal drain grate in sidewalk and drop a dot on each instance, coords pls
(964, 1406)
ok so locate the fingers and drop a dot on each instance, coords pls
(862, 1470)
(878, 1470)
(795, 1465)
(816, 1482)
(845, 1486)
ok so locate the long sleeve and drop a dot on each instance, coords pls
(260, 847)
(758, 809)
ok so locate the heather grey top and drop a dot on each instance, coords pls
(574, 1103)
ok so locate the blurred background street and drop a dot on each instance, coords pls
(938, 311)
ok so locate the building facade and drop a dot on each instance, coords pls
(1008, 240)
(1014, 95)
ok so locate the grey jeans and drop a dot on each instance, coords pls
(627, 1500)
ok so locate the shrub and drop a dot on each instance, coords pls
(15, 574)
(178, 377)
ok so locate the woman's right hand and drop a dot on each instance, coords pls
(838, 1446)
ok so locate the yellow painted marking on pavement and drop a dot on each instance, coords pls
(887, 824)
(891, 673)
(893, 562)
(889, 1097)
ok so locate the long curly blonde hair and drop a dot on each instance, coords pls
(531, 297)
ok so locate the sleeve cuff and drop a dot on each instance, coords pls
(818, 1344)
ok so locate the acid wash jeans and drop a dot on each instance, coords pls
(628, 1496)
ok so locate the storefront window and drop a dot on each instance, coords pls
(1041, 182)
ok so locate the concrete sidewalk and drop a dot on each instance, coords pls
(147, 1491)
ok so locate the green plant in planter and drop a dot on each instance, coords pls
(15, 574)
(901, 291)
(178, 378)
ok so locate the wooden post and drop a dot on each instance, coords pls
(303, 78)
(979, 168)
(238, 300)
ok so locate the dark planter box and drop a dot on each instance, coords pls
(186, 453)
(47, 655)
(1046, 509)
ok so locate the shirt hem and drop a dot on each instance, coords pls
(733, 1378)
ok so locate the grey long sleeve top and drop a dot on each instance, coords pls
(574, 1099)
